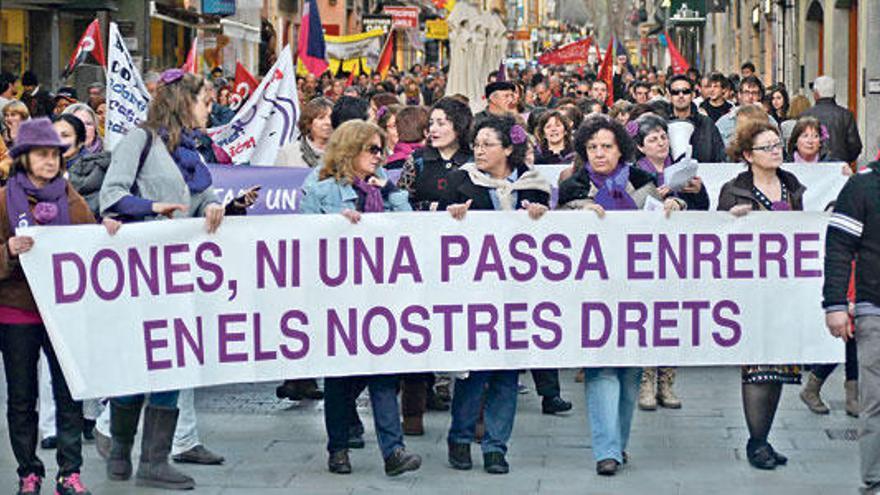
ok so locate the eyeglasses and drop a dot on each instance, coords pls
(485, 145)
(676, 92)
(375, 150)
(769, 148)
(751, 92)
(582, 93)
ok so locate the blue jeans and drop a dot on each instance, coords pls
(160, 399)
(500, 391)
(339, 391)
(611, 399)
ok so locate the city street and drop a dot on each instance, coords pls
(275, 447)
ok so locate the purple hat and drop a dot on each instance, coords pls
(36, 133)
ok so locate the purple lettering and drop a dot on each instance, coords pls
(592, 247)
(765, 254)
(375, 262)
(633, 256)
(227, 336)
(695, 307)
(484, 264)
(660, 323)
(117, 274)
(447, 310)
(405, 262)
(801, 253)
(420, 330)
(550, 254)
(523, 256)
(624, 323)
(171, 268)
(511, 325)
(733, 255)
(209, 266)
(586, 341)
(711, 257)
(334, 326)
(137, 269)
(488, 327)
(367, 329)
(667, 255)
(735, 329)
(552, 326)
(323, 263)
(292, 333)
(183, 335)
(58, 274)
(259, 353)
(447, 260)
(151, 344)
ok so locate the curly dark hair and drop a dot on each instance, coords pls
(461, 117)
(502, 125)
(594, 124)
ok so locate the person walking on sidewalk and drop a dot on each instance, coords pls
(36, 194)
(854, 234)
(156, 171)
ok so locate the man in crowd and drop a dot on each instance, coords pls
(65, 97)
(854, 234)
(544, 95)
(7, 88)
(599, 91)
(640, 92)
(747, 70)
(714, 103)
(706, 141)
(37, 99)
(751, 92)
(500, 100)
(844, 144)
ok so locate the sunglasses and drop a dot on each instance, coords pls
(375, 150)
(676, 92)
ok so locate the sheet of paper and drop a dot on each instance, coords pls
(677, 175)
(653, 204)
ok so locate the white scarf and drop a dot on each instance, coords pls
(532, 179)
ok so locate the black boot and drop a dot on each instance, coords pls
(153, 469)
(123, 426)
(760, 454)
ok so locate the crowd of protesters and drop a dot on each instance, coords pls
(614, 139)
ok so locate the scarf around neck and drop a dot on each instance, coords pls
(97, 145)
(310, 155)
(530, 180)
(612, 193)
(189, 161)
(648, 166)
(51, 202)
(373, 202)
(403, 150)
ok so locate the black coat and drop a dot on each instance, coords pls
(738, 191)
(844, 144)
(708, 147)
(461, 189)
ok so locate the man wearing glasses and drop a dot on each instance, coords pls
(751, 92)
(500, 100)
(706, 141)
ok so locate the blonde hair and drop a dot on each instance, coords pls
(346, 143)
(171, 108)
(799, 105)
(16, 106)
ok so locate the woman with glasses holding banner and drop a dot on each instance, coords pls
(36, 194)
(498, 179)
(604, 181)
(764, 186)
(348, 184)
(157, 172)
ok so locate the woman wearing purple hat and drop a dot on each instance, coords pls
(36, 194)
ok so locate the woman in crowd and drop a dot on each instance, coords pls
(86, 174)
(805, 143)
(315, 129)
(554, 139)
(621, 111)
(652, 142)
(763, 186)
(604, 181)
(412, 130)
(156, 172)
(779, 103)
(386, 119)
(72, 132)
(380, 100)
(498, 179)
(99, 105)
(36, 194)
(799, 105)
(93, 142)
(14, 113)
(426, 172)
(348, 184)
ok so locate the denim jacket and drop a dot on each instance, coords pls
(332, 196)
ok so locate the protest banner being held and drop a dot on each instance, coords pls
(127, 95)
(267, 121)
(163, 305)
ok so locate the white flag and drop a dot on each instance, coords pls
(127, 95)
(267, 122)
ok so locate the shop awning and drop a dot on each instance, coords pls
(184, 18)
(65, 5)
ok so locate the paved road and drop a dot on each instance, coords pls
(275, 447)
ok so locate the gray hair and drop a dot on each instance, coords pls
(76, 107)
(824, 86)
(151, 77)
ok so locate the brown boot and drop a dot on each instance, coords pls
(665, 395)
(810, 394)
(647, 390)
(413, 426)
(852, 397)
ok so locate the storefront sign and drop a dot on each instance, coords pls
(403, 17)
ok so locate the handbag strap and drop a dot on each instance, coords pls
(141, 160)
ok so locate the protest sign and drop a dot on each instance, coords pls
(163, 305)
(267, 122)
(127, 95)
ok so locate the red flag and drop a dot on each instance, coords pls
(572, 53)
(245, 84)
(90, 43)
(350, 80)
(385, 57)
(191, 64)
(598, 54)
(311, 49)
(679, 64)
(606, 72)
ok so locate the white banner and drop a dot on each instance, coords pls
(127, 95)
(163, 305)
(823, 180)
(267, 122)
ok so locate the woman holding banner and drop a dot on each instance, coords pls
(764, 186)
(36, 194)
(498, 179)
(157, 172)
(348, 184)
(603, 180)
(315, 129)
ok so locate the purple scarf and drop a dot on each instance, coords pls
(373, 202)
(403, 150)
(612, 188)
(97, 146)
(645, 164)
(781, 206)
(189, 161)
(51, 199)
